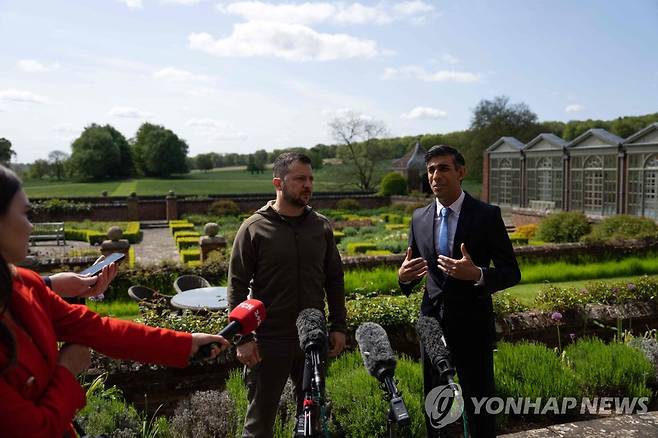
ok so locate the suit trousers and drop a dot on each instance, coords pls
(280, 359)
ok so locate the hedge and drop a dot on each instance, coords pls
(180, 226)
(191, 254)
(187, 242)
(131, 232)
(360, 247)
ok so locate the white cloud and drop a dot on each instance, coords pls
(449, 59)
(415, 72)
(182, 2)
(12, 95)
(293, 42)
(424, 112)
(132, 4)
(318, 12)
(127, 112)
(34, 66)
(217, 131)
(413, 8)
(65, 128)
(174, 74)
(574, 108)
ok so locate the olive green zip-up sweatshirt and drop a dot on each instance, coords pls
(289, 264)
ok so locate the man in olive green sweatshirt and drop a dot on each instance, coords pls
(284, 255)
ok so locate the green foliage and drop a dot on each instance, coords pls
(159, 314)
(159, 151)
(378, 252)
(191, 254)
(205, 414)
(359, 404)
(338, 236)
(224, 207)
(518, 240)
(611, 370)
(553, 298)
(392, 218)
(532, 370)
(187, 233)
(238, 393)
(56, 207)
(100, 152)
(387, 311)
(6, 152)
(505, 303)
(360, 247)
(528, 231)
(369, 283)
(622, 227)
(565, 271)
(187, 242)
(176, 226)
(393, 184)
(563, 227)
(96, 232)
(348, 204)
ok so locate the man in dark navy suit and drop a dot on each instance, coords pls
(453, 242)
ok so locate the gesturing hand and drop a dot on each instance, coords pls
(462, 269)
(248, 354)
(336, 343)
(412, 269)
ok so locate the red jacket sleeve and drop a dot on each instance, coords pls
(50, 416)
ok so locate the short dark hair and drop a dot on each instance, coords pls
(441, 150)
(282, 164)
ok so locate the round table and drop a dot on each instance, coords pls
(210, 298)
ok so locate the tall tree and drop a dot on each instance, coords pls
(204, 161)
(493, 119)
(159, 152)
(39, 169)
(359, 148)
(126, 165)
(57, 160)
(96, 154)
(6, 152)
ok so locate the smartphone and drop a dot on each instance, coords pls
(98, 267)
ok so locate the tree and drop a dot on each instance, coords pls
(126, 165)
(39, 169)
(159, 152)
(358, 148)
(204, 161)
(493, 119)
(254, 165)
(57, 160)
(6, 151)
(96, 154)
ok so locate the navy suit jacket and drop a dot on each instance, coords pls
(459, 304)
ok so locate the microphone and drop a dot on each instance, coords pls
(244, 319)
(431, 336)
(380, 362)
(312, 330)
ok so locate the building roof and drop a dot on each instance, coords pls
(641, 133)
(414, 159)
(550, 138)
(604, 136)
(515, 144)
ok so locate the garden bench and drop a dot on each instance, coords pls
(48, 231)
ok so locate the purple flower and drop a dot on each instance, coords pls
(572, 336)
(615, 290)
(631, 286)
(556, 316)
(99, 297)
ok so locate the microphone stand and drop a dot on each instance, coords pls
(311, 422)
(397, 411)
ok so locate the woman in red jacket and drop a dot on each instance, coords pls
(39, 394)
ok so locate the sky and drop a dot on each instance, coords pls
(237, 76)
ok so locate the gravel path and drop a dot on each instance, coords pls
(157, 245)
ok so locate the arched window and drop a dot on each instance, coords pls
(545, 179)
(593, 185)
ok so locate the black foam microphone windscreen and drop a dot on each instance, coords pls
(312, 329)
(376, 350)
(431, 335)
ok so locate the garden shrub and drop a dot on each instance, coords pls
(350, 231)
(360, 247)
(396, 227)
(563, 227)
(224, 207)
(378, 252)
(187, 242)
(391, 218)
(159, 314)
(393, 184)
(518, 240)
(621, 227)
(386, 311)
(528, 369)
(338, 235)
(505, 303)
(95, 233)
(191, 254)
(186, 233)
(359, 403)
(180, 226)
(348, 204)
(55, 207)
(528, 231)
(205, 414)
(609, 369)
(649, 347)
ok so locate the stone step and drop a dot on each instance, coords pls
(154, 224)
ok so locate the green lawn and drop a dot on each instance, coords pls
(212, 182)
(526, 293)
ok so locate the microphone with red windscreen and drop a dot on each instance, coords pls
(244, 319)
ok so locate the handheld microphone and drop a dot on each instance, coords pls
(244, 319)
(431, 336)
(380, 362)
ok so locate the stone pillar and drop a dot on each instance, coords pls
(115, 243)
(172, 206)
(133, 207)
(211, 241)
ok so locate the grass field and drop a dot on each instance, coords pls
(213, 182)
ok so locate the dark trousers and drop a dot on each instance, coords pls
(280, 359)
(472, 356)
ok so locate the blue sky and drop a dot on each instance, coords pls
(237, 76)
